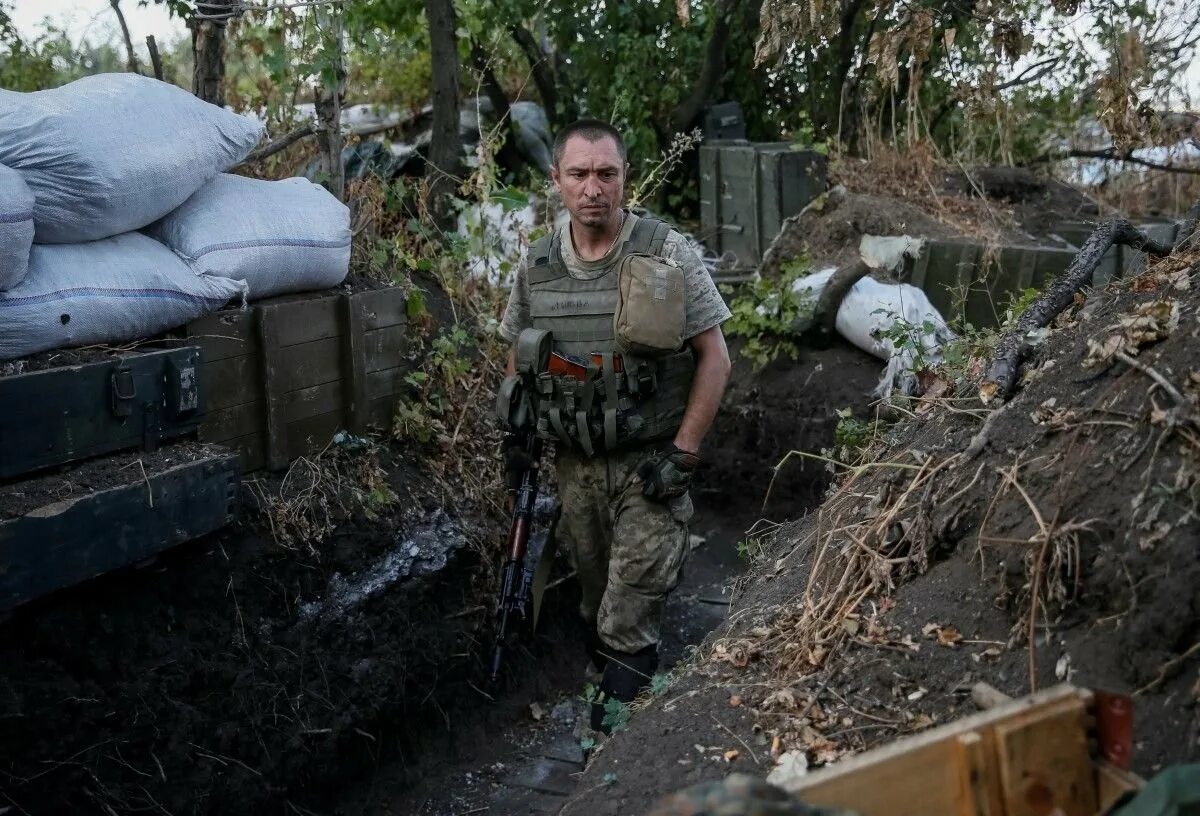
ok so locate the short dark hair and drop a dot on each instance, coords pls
(591, 129)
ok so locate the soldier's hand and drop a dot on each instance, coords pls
(667, 473)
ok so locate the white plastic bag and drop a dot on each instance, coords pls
(16, 227)
(871, 310)
(278, 236)
(109, 291)
(111, 153)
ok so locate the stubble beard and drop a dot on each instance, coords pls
(595, 218)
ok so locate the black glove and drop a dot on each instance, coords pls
(667, 473)
(516, 461)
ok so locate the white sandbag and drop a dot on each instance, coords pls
(16, 227)
(108, 291)
(278, 236)
(111, 153)
(870, 308)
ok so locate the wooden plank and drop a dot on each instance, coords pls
(710, 200)
(227, 333)
(71, 413)
(922, 774)
(273, 391)
(385, 348)
(60, 544)
(920, 267)
(382, 307)
(381, 412)
(976, 781)
(308, 320)
(250, 450)
(1044, 762)
(232, 380)
(386, 382)
(311, 434)
(233, 422)
(309, 364)
(319, 399)
(355, 366)
(1112, 783)
(738, 195)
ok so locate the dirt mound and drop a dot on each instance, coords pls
(913, 193)
(830, 232)
(1071, 516)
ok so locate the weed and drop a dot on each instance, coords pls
(751, 549)
(767, 311)
(616, 715)
(660, 682)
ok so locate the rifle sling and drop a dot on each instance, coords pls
(541, 574)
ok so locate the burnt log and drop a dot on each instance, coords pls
(1001, 376)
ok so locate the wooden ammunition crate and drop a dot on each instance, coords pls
(747, 189)
(137, 399)
(1027, 757)
(68, 526)
(287, 373)
(976, 283)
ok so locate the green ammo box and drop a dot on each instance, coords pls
(747, 189)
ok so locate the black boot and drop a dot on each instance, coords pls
(595, 648)
(624, 677)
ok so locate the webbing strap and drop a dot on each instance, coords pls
(610, 400)
(559, 428)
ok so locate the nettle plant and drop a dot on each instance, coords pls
(766, 313)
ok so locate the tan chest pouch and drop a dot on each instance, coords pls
(651, 306)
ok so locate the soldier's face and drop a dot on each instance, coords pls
(591, 178)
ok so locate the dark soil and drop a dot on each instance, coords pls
(1038, 202)
(787, 405)
(20, 496)
(514, 764)
(830, 235)
(1118, 611)
(237, 677)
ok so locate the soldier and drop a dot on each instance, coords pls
(637, 375)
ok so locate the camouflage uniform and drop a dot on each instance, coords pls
(738, 795)
(628, 551)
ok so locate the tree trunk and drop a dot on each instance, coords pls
(445, 149)
(132, 57)
(328, 101)
(687, 111)
(543, 73)
(1001, 376)
(208, 53)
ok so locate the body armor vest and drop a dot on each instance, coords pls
(617, 403)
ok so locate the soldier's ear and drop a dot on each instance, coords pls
(554, 176)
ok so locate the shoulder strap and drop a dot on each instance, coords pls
(545, 259)
(648, 236)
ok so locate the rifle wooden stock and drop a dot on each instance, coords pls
(514, 589)
(561, 366)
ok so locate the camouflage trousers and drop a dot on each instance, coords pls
(628, 551)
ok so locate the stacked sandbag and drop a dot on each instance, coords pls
(16, 227)
(108, 291)
(277, 236)
(111, 153)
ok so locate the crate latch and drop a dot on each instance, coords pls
(124, 391)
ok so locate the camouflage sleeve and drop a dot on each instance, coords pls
(705, 308)
(516, 314)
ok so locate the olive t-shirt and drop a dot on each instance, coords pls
(703, 309)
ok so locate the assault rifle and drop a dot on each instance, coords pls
(516, 413)
(515, 586)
